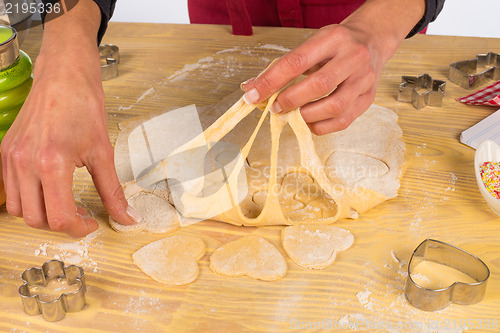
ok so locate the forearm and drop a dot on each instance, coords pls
(386, 22)
(73, 34)
(69, 46)
(106, 7)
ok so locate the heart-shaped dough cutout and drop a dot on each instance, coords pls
(252, 256)
(315, 246)
(172, 260)
(158, 215)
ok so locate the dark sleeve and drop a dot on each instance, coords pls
(432, 10)
(107, 7)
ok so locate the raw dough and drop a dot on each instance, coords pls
(172, 260)
(158, 215)
(315, 246)
(312, 179)
(252, 256)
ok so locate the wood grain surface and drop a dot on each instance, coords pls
(163, 66)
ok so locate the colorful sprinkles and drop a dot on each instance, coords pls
(490, 175)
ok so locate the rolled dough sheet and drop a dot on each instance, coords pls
(172, 260)
(315, 246)
(312, 179)
(252, 256)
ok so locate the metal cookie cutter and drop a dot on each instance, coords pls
(110, 58)
(421, 91)
(52, 271)
(458, 292)
(473, 73)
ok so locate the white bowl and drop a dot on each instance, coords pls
(487, 151)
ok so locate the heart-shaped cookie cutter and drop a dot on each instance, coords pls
(459, 292)
(473, 73)
(53, 310)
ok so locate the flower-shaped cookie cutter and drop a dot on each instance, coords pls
(421, 91)
(110, 58)
(459, 292)
(473, 73)
(36, 278)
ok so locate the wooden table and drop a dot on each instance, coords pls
(175, 65)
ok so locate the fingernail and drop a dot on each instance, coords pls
(252, 96)
(243, 84)
(276, 107)
(81, 211)
(133, 214)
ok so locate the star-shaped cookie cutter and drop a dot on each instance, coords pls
(473, 73)
(54, 309)
(421, 91)
(459, 292)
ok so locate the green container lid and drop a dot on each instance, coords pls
(6, 34)
(9, 48)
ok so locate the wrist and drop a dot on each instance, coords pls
(84, 16)
(386, 23)
(73, 35)
(62, 60)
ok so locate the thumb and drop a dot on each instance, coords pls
(108, 186)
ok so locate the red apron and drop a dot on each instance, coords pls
(242, 14)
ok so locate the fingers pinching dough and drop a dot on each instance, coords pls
(158, 215)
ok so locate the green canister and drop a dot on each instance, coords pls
(15, 78)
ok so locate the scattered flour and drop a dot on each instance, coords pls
(76, 253)
(415, 224)
(419, 278)
(146, 93)
(343, 320)
(453, 181)
(351, 321)
(225, 64)
(42, 250)
(364, 299)
(418, 151)
(247, 51)
(394, 257)
(400, 262)
(142, 304)
(275, 47)
(182, 73)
